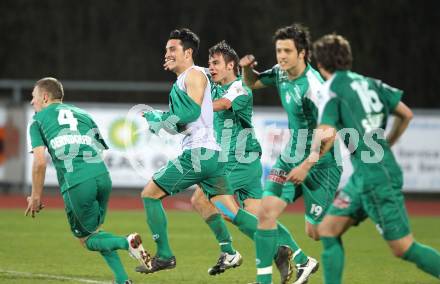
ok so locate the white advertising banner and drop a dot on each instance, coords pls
(418, 153)
(135, 154)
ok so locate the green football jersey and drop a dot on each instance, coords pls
(360, 107)
(300, 98)
(233, 127)
(72, 140)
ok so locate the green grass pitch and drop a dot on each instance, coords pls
(40, 250)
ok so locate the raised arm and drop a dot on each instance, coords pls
(403, 116)
(250, 76)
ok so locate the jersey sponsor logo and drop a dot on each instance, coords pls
(64, 140)
(277, 176)
(342, 201)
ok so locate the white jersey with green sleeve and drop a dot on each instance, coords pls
(199, 133)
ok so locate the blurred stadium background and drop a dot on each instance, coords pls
(109, 54)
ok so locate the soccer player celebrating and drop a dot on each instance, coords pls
(75, 145)
(240, 149)
(191, 113)
(297, 84)
(360, 106)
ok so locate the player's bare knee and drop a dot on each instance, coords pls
(398, 252)
(252, 205)
(327, 230)
(313, 234)
(195, 202)
(82, 241)
(151, 190)
(265, 216)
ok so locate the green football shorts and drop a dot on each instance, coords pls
(381, 199)
(195, 166)
(86, 204)
(245, 179)
(318, 189)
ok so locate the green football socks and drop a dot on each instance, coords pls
(332, 259)
(115, 264)
(266, 248)
(247, 223)
(218, 227)
(157, 221)
(425, 257)
(105, 242)
(286, 239)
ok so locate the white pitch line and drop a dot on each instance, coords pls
(49, 276)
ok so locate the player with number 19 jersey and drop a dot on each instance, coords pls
(73, 142)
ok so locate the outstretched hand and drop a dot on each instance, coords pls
(34, 206)
(297, 175)
(248, 61)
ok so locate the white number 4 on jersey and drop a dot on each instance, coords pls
(65, 116)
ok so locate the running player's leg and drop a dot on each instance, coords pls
(386, 206)
(176, 176)
(331, 230)
(319, 190)
(252, 205)
(425, 257)
(156, 219)
(229, 257)
(345, 212)
(245, 179)
(214, 220)
(85, 214)
(273, 240)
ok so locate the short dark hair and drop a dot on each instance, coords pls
(189, 39)
(333, 52)
(299, 34)
(52, 86)
(228, 53)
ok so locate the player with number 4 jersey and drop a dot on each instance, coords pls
(75, 145)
